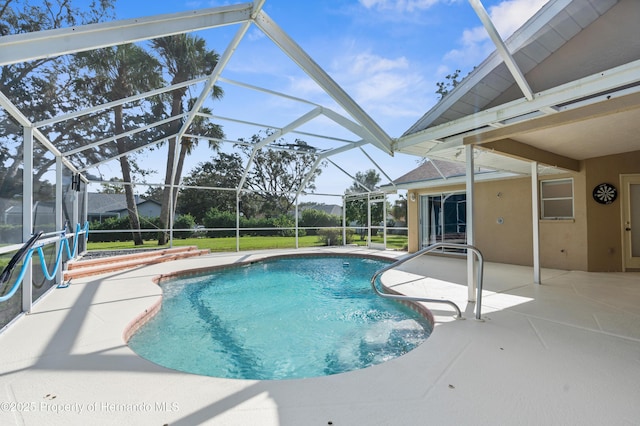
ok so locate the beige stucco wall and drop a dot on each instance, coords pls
(506, 201)
(592, 241)
(605, 223)
(563, 243)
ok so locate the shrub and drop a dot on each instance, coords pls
(312, 218)
(333, 236)
(217, 219)
(185, 221)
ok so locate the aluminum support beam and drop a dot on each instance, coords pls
(313, 70)
(345, 148)
(306, 179)
(274, 136)
(380, 169)
(58, 221)
(109, 105)
(222, 62)
(125, 134)
(115, 157)
(27, 213)
(35, 133)
(502, 48)
(45, 44)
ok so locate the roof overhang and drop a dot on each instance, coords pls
(583, 116)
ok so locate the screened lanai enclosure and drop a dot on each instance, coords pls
(86, 98)
(126, 124)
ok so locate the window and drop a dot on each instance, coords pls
(556, 199)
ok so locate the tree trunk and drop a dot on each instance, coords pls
(176, 108)
(132, 208)
(184, 147)
(166, 193)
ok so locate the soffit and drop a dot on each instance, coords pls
(575, 76)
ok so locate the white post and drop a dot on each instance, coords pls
(238, 221)
(171, 213)
(384, 221)
(59, 221)
(471, 263)
(368, 220)
(296, 213)
(535, 208)
(85, 213)
(27, 213)
(344, 220)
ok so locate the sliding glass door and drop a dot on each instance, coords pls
(443, 218)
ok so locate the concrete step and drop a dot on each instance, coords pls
(85, 268)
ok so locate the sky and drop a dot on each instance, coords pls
(388, 55)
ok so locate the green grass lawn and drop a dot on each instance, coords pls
(246, 243)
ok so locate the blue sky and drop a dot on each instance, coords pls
(387, 55)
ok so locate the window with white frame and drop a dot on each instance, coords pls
(556, 199)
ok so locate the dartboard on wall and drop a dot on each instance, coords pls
(605, 193)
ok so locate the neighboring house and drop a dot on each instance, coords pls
(102, 206)
(558, 123)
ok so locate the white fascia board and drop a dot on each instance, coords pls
(50, 43)
(313, 70)
(457, 180)
(514, 43)
(597, 83)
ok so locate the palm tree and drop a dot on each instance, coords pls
(120, 72)
(184, 57)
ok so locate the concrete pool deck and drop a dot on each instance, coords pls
(561, 353)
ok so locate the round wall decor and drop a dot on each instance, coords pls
(605, 193)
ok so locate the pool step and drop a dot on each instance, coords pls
(85, 268)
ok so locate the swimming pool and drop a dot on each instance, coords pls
(279, 319)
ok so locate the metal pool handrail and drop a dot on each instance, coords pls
(423, 299)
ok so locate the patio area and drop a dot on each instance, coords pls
(564, 352)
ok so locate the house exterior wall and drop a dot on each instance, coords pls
(148, 209)
(592, 241)
(605, 230)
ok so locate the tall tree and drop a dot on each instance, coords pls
(364, 182)
(223, 171)
(184, 58)
(40, 88)
(356, 208)
(121, 72)
(276, 175)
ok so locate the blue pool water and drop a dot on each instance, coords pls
(279, 319)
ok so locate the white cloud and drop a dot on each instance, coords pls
(255, 34)
(399, 5)
(507, 17)
(387, 88)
